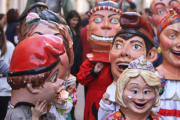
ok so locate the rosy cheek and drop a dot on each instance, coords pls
(130, 96)
(166, 43)
(113, 55)
(150, 97)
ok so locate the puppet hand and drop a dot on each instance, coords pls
(70, 87)
(61, 101)
(105, 98)
(161, 77)
(38, 110)
(98, 67)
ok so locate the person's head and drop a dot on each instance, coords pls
(145, 13)
(36, 8)
(168, 34)
(159, 8)
(137, 89)
(103, 24)
(1, 16)
(73, 19)
(34, 69)
(3, 46)
(133, 40)
(12, 16)
(37, 26)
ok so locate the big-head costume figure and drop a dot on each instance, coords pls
(137, 91)
(159, 9)
(33, 75)
(168, 34)
(103, 24)
(133, 40)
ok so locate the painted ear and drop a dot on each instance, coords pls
(152, 55)
(31, 89)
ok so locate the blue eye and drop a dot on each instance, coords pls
(160, 12)
(117, 46)
(172, 36)
(98, 20)
(136, 47)
(134, 91)
(146, 92)
(114, 20)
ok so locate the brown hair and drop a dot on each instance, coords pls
(3, 46)
(17, 82)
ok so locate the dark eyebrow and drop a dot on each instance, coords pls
(119, 40)
(57, 34)
(159, 4)
(98, 15)
(172, 1)
(37, 33)
(136, 41)
(174, 30)
(112, 15)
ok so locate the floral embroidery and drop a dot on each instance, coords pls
(173, 14)
(118, 114)
(160, 28)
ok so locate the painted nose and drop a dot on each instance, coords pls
(124, 52)
(141, 97)
(106, 25)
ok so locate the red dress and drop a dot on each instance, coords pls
(96, 84)
(119, 116)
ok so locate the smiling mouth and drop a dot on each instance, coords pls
(140, 105)
(123, 66)
(101, 38)
(176, 53)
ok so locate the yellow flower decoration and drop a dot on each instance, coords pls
(118, 114)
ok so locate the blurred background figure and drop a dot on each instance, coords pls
(146, 13)
(73, 20)
(55, 5)
(12, 22)
(6, 51)
(3, 20)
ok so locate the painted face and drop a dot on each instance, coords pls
(103, 25)
(123, 52)
(52, 86)
(160, 8)
(170, 44)
(74, 21)
(42, 29)
(138, 96)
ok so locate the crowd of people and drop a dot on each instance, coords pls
(128, 62)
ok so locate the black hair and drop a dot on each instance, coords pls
(129, 33)
(147, 10)
(70, 15)
(1, 16)
(12, 16)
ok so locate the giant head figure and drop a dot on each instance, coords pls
(36, 26)
(168, 34)
(34, 70)
(36, 8)
(103, 24)
(159, 9)
(137, 89)
(133, 40)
